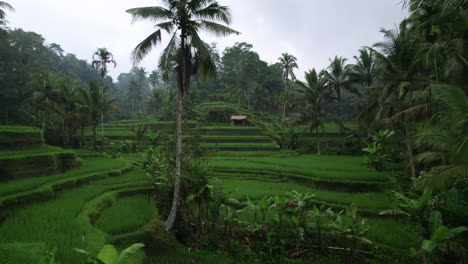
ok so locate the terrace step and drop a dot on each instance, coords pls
(313, 182)
(19, 137)
(235, 139)
(243, 146)
(230, 131)
(49, 189)
(36, 162)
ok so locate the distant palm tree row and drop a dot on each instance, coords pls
(64, 103)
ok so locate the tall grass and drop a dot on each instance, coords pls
(127, 214)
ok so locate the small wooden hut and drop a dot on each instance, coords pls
(239, 120)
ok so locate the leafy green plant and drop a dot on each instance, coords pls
(110, 255)
(376, 150)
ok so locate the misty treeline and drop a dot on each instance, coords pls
(242, 78)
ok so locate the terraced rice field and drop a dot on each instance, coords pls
(335, 181)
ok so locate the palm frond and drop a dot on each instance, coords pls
(206, 65)
(168, 26)
(217, 29)
(142, 49)
(442, 177)
(214, 12)
(152, 13)
(167, 58)
(412, 113)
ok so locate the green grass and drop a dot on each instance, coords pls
(229, 127)
(243, 154)
(330, 168)
(331, 128)
(254, 189)
(221, 137)
(132, 212)
(17, 128)
(113, 133)
(56, 223)
(7, 154)
(92, 166)
(392, 232)
(241, 145)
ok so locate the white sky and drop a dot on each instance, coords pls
(312, 30)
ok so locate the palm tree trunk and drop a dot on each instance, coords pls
(94, 136)
(318, 140)
(6, 114)
(82, 133)
(182, 85)
(284, 113)
(102, 125)
(43, 129)
(175, 201)
(409, 145)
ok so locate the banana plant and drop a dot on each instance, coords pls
(110, 255)
(441, 236)
(416, 210)
(352, 227)
(318, 214)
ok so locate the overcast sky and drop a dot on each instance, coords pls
(312, 30)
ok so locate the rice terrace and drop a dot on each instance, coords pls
(165, 137)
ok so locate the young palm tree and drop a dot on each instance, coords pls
(288, 63)
(44, 98)
(101, 58)
(314, 91)
(185, 54)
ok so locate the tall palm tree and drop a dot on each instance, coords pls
(314, 91)
(101, 58)
(399, 82)
(44, 98)
(288, 63)
(185, 54)
(96, 102)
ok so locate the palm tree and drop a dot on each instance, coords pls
(154, 78)
(44, 98)
(185, 54)
(101, 58)
(314, 91)
(288, 63)
(366, 69)
(399, 82)
(338, 78)
(69, 110)
(95, 102)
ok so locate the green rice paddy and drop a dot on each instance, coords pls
(132, 212)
